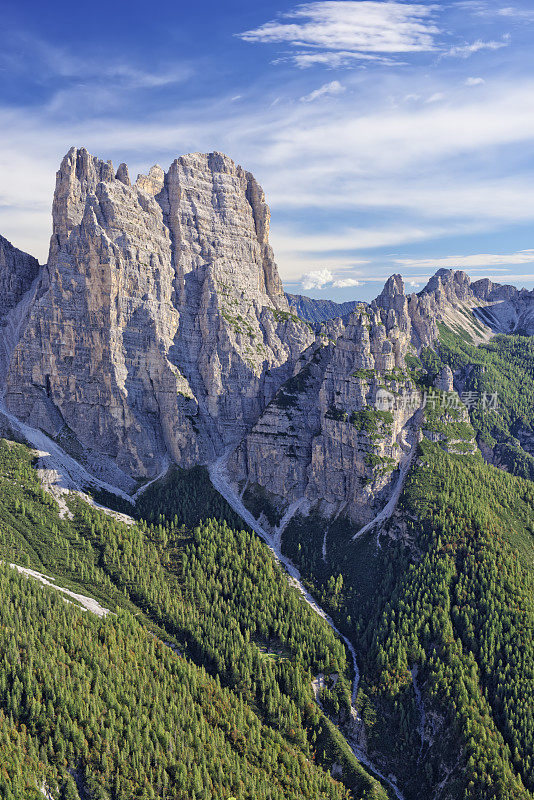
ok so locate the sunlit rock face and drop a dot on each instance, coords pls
(159, 328)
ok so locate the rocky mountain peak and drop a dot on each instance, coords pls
(449, 283)
(159, 330)
(123, 175)
(160, 327)
(152, 183)
(394, 286)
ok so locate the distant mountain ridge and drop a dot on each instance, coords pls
(314, 310)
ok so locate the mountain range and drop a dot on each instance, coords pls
(384, 451)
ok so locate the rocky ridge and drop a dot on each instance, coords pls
(18, 270)
(335, 437)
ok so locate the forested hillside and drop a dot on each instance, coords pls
(199, 683)
(497, 380)
(440, 606)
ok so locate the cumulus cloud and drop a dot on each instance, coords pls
(339, 31)
(345, 283)
(321, 278)
(474, 81)
(332, 88)
(316, 279)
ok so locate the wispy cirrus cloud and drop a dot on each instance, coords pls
(28, 55)
(337, 59)
(407, 160)
(470, 48)
(332, 88)
(427, 169)
(338, 32)
(516, 13)
(470, 261)
(489, 10)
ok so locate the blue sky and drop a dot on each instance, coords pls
(389, 137)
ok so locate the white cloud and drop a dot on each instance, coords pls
(519, 278)
(428, 170)
(332, 88)
(339, 31)
(345, 283)
(342, 58)
(317, 279)
(321, 278)
(488, 10)
(32, 55)
(514, 13)
(436, 97)
(330, 248)
(473, 260)
(474, 81)
(429, 164)
(468, 49)
(295, 256)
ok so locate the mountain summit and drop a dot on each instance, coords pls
(159, 326)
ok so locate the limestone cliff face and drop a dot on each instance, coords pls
(18, 270)
(160, 327)
(18, 276)
(506, 309)
(336, 434)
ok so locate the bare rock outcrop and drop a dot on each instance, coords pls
(159, 327)
(18, 270)
(336, 434)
